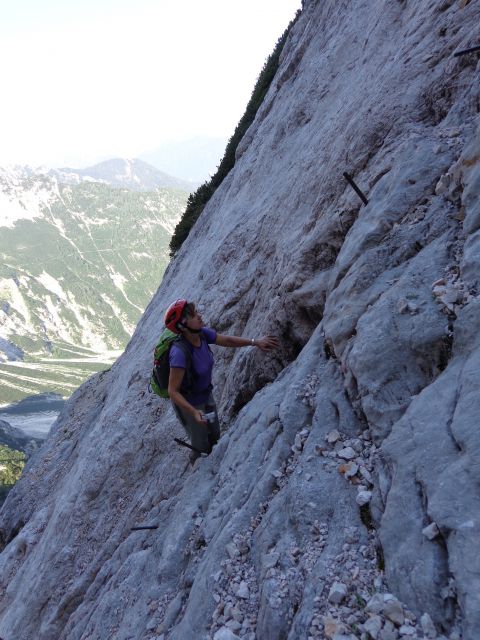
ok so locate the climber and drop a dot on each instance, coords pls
(193, 400)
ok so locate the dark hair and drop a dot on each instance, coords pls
(189, 309)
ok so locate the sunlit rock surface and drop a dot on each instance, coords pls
(282, 532)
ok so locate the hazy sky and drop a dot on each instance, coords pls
(82, 81)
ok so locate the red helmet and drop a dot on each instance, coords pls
(174, 315)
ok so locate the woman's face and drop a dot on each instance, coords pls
(194, 319)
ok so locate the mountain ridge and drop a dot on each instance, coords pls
(134, 174)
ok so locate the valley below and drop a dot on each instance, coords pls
(81, 255)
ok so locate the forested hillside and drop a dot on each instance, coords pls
(78, 265)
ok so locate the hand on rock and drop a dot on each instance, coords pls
(267, 343)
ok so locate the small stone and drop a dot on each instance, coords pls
(375, 604)
(243, 590)
(378, 582)
(225, 634)
(388, 632)
(454, 132)
(427, 626)
(352, 469)
(393, 610)
(308, 477)
(357, 444)
(410, 618)
(333, 436)
(277, 474)
(153, 606)
(152, 624)
(234, 625)
(439, 291)
(332, 627)
(406, 631)
(431, 531)
(402, 306)
(271, 560)
(366, 475)
(243, 547)
(347, 453)
(373, 626)
(443, 184)
(237, 614)
(363, 498)
(352, 535)
(337, 593)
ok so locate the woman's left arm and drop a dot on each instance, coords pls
(267, 343)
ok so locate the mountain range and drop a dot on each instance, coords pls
(134, 174)
(81, 253)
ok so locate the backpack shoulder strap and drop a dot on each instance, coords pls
(187, 352)
(184, 347)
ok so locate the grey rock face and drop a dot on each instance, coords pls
(375, 357)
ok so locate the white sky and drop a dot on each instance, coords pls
(84, 81)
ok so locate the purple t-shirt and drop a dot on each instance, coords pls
(202, 362)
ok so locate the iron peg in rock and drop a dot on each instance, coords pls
(357, 189)
(464, 52)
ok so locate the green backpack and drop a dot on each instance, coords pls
(161, 365)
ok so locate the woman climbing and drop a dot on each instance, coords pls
(191, 364)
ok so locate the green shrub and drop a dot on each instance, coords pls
(196, 201)
(11, 465)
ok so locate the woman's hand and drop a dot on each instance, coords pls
(198, 417)
(267, 343)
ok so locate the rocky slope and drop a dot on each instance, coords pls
(342, 500)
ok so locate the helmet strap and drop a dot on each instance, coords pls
(184, 327)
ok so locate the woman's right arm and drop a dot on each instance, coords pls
(174, 384)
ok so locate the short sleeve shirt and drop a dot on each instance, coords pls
(202, 363)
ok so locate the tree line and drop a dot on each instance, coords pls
(196, 201)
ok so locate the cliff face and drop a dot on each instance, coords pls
(377, 309)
